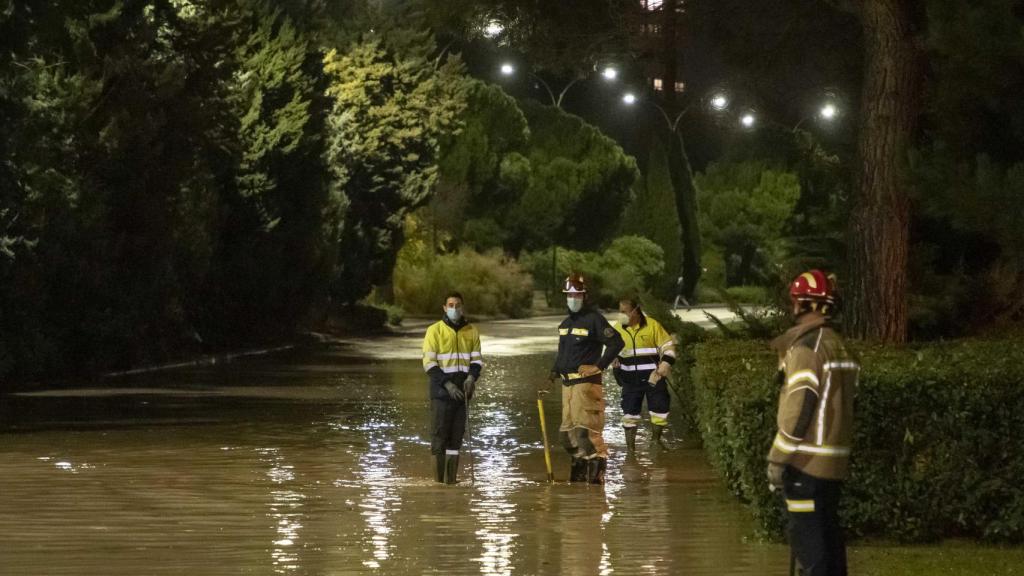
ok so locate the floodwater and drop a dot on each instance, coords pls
(317, 462)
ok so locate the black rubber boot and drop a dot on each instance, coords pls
(451, 469)
(656, 440)
(595, 470)
(439, 467)
(631, 439)
(578, 472)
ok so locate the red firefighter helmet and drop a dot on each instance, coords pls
(816, 287)
(575, 284)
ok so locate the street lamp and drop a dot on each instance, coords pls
(717, 101)
(493, 29)
(828, 112)
(609, 73)
(747, 120)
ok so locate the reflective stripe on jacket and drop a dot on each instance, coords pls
(815, 417)
(451, 352)
(581, 338)
(647, 344)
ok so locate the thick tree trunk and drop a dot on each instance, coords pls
(678, 162)
(681, 175)
(879, 228)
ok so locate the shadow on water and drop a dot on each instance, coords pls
(316, 462)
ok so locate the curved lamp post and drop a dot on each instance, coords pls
(608, 73)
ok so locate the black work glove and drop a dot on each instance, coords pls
(553, 376)
(453, 392)
(469, 386)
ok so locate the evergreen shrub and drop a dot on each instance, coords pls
(937, 446)
(491, 283)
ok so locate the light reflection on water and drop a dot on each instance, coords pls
(285, 511)
(288, 466)
(381, 499)
(495, 471)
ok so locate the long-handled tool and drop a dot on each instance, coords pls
(469, 447)
(544, 434)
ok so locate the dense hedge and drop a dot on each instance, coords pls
(491, 283)
(937, 451)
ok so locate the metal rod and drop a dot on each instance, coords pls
(544, 434)
(469, 448)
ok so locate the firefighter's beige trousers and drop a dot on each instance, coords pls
(583, 420)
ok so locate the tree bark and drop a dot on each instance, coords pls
(879, 227)
(678, 162)
(681, 175)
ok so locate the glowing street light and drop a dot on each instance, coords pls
(508, 69)
(493, 29)
(827, 113)
(748, 120)
(719, 102)
(629, 98)
(610, 73)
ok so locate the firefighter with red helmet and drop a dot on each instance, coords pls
(579, 365)
(809, 458)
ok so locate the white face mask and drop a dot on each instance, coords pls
(574, 304)
(624, 318)
(454, 314)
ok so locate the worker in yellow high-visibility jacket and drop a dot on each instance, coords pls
(642, 369)
(452, 361)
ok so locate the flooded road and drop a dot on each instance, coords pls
(317, 462)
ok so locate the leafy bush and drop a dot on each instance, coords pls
(936, 449)
(744, 209)
(394, 313)
(491, 283)
(653, 214)
(631, 265)
(749, 294)
(967, 264)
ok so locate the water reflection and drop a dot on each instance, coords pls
(495, 470)
(381, 500)
(285, 510)
(318, 463)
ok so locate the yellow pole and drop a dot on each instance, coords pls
(544, 433)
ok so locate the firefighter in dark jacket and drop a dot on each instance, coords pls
(452, 361)
(809, 458)
(579, 366)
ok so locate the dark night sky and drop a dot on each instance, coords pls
(777, 58)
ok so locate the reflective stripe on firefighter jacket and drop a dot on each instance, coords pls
(581, 336)
(451, 352)
(647, 344)
(815, 418)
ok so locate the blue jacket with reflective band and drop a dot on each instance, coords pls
(581, 336)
